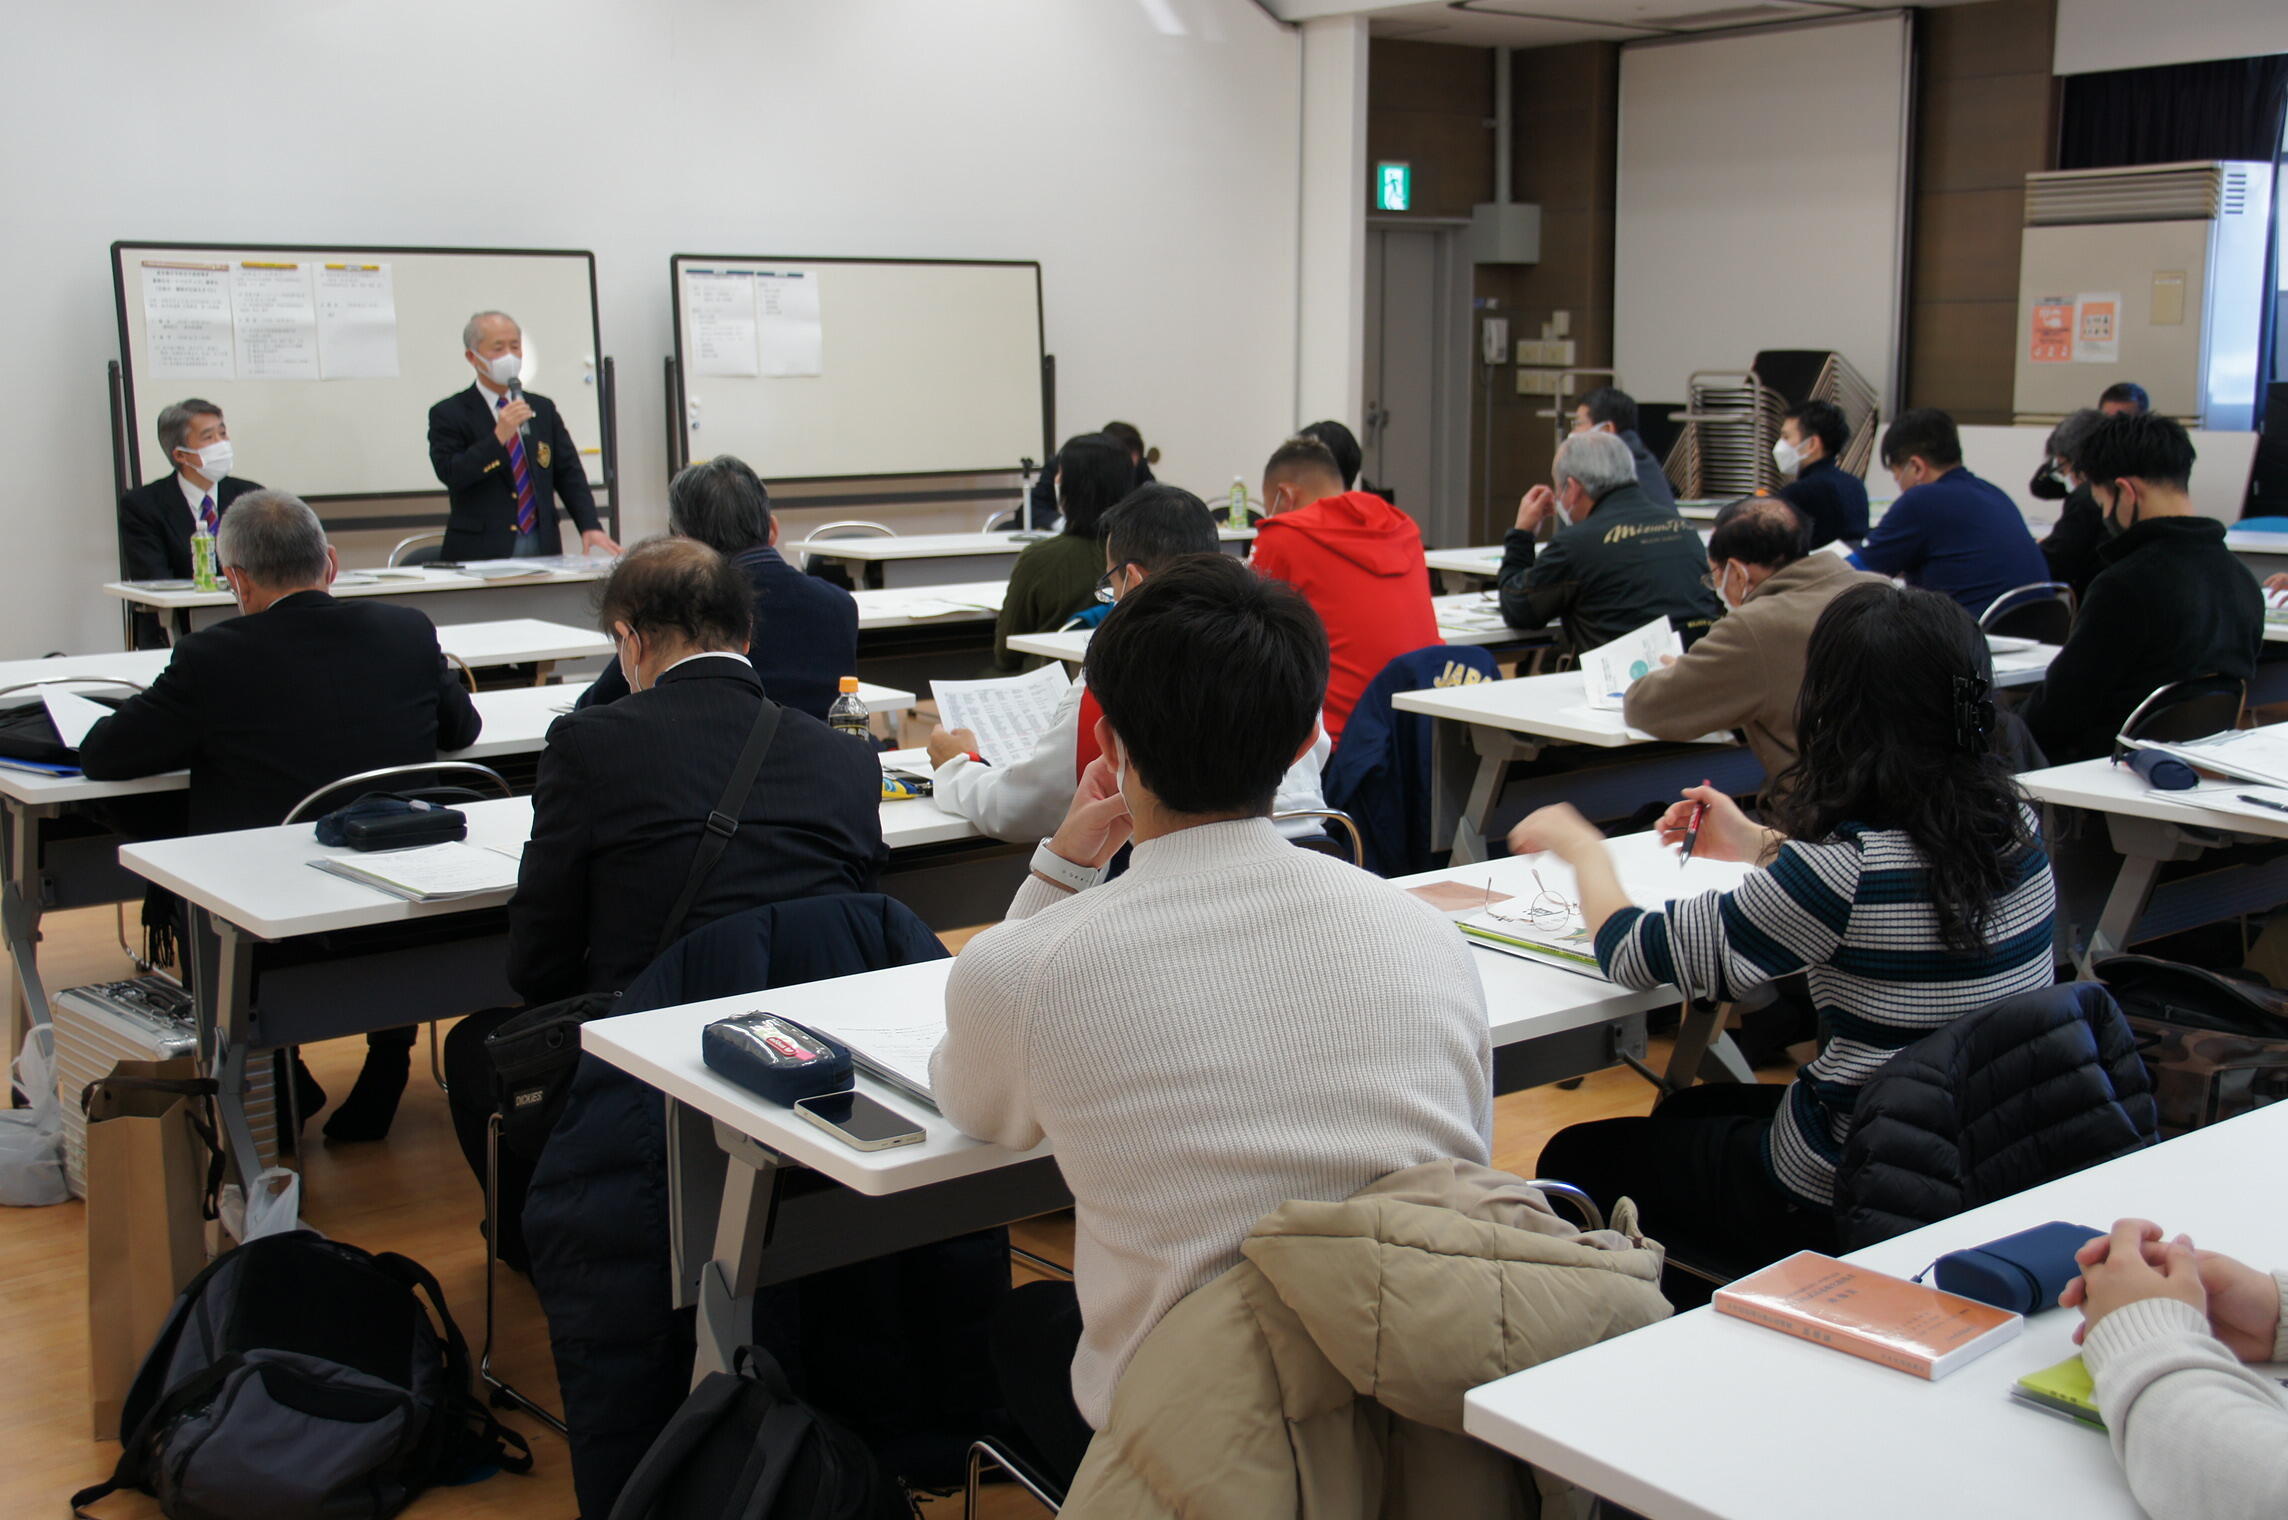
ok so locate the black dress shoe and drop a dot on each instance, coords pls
(372, 1104)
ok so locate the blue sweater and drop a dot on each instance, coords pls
(1855, 913)
(1956, 534)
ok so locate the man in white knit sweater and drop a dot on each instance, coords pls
(1233, 1023)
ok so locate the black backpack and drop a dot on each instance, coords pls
(300, 1377)
(743, 1447)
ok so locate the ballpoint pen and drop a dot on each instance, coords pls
(2264, 802)
(1692, 832)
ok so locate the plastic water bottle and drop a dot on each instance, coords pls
(203, 561)
(1237, 516)
(848, 715)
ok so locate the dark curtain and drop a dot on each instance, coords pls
(2233, 109)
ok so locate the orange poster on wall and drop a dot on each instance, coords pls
(2052, 338)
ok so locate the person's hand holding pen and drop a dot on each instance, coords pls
(1720, 830)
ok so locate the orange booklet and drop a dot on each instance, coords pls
(1871, 1314)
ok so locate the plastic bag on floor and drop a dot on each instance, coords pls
(32, 1139)
(277, 1206)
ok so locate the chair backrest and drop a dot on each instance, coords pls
(996, 522)
(420, 549)
(2193, 708)
(1343, 824)
(2015, 1094)
(436, 775)
(2043, 612)
(1380, 772)
(849, 527)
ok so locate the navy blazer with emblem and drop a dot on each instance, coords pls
(474, 466)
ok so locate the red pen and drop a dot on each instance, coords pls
(1692, 831)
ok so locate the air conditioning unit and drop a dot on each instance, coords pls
(2152, 274)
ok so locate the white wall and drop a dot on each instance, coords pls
(2095, 35)
(1760, 201)
(1145, 151)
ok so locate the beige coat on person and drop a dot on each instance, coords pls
(1323, 1376)
(1745, 672)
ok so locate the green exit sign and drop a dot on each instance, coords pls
(1393, 187)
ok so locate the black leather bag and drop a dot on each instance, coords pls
(28, 733)
(535, 1053)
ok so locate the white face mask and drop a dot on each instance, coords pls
(215, 459)
(502, 368)
(1787, 456)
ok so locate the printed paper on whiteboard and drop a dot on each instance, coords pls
(719, 307)
(788, 323)
(2051, 340)
(357, 321)
(275, 318)
(1007, 714)
(2097, 328)
(1608, 671)
(186, 321)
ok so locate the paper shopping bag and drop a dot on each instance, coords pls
(148, 1156)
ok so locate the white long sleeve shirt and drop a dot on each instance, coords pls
(1027, 800)
(1232, 1024)
(2199, 1435)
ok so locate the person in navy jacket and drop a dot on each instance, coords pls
(1830, 499)
(1948, 530)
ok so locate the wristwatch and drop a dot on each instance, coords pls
(1073, 878)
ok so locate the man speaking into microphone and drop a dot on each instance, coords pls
(506, 458)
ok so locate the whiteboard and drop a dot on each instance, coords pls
(370, 436)
(923, 367)
(1761, 201)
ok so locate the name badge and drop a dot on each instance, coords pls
(544, 456)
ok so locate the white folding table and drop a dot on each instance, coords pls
(1707, 1417)
(557, 587)
(734, 1229)
(1464, 617)
(940, 559)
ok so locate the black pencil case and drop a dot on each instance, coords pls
(381, 821)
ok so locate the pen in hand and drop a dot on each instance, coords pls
(1692, 832)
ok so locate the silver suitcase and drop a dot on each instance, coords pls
(145, 1018)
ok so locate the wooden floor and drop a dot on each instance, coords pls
(413, 1194)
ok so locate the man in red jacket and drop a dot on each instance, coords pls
(1357, 560)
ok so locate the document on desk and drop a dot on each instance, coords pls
(1007, 714)
(921, 607)
(2241, 799)
(892, 1044)
(2253, 754)
(429, 873)
(72, 714)
(1608, 671)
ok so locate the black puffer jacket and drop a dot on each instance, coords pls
(2028, 1089)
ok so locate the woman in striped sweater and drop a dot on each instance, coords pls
(1904, 876)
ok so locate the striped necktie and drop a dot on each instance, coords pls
(207, 517)
(527, 513)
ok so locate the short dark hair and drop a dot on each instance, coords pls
(1155, 524)
(2129, 391)
(2144, 445)
(679, 585)
(720, 502)
(1213, 678)
(1093, 472)
(1924, 432)
(1303, 456)
(1607, 404)
(2071, 436)
(1341, 443)
(1823, 420)
(1758, 530)
(1127, 435)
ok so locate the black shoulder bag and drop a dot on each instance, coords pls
(535, 1053)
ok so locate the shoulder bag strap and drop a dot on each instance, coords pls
(722, 823)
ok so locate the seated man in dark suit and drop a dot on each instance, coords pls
(505, 457)
(156, 521)
(624, 790)
(303, 690)
(806, 629)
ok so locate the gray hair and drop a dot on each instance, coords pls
(175, 422)
(721, 503)
(2071, 436)
(473, 331)
(273, 539)
(1599, 461)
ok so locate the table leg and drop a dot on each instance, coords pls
(222, 992)
(20, 916)
(1495, 749)
(742, 1230)
(1704, 1048)
(2145, 845)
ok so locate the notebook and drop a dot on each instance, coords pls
(2065, 1390)
(1560, 939)
(429, 873)
(1869, 1314)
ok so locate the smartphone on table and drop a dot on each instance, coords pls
(858, 1121)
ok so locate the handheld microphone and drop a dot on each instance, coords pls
(516, 393)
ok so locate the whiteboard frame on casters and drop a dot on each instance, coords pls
(130, 425)
(680, 443)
